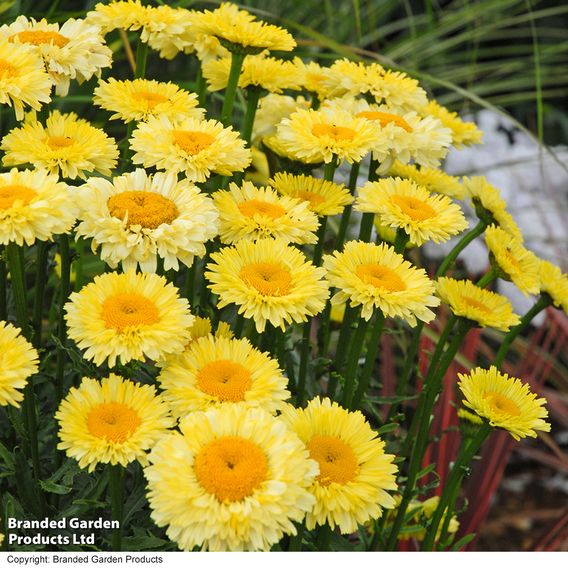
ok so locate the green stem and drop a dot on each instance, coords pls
(61, 328)
(115, 491)
(189, 291)
(462, 243)
(296, 540)
(487, 278)
(372, 349)
(345, 216)
(304, 357)
(467, 451)
(3, 280)
(17, 275)
(342, 347)
(237, 60)
(448, 517)
(400, 241)
(430, 391)
(366, 227)
(318, 249)
(200, 86)
(253, 95)
(41, 278)
(141, 58)
(356, 345)
(239, 325)
(543, 302)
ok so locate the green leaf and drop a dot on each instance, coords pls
(52, 487)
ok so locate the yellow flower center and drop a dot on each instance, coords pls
(39, 37)
(225, 380)
(337, 461)
(231, 468)
(57, 142)
(502, 404)
(380, 277)
(512, 260)
(472, 302)
(151, 99)
(313, 198)
(11, 193)
(192, 142)
(338, 133)
(254, 207)
(126, 310)
(7, 69)
(269, 278)
(113, 421)
(385, 118)
(144, 208)
(414, 208)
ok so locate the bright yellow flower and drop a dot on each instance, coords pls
(401, 204)
(327, 134)
(66, 144)
(23, 80)
(348, 78)
(271, 110)
(34, 205)
(238, 30)
(18, 360)
(195, 147)
(485, 308)
(235, 478)
(111, 421)
(137, 218)
(486, 196)
(125, 15)
(311, 76)
(324, 198)
(376, 277)
(140, 99)
(128, 316)
(554, 283)
(76, 50)
(463, 133)
(217, 371)
(513, 260)
(250, 213)
(505, 402)
(355, 472)
(269, 281)
(432, 179)
(260, 71)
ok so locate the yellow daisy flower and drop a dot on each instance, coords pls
(269, 281)
(310, 76)
(322, 135)
(485, 308)
(239, 31)
(76, 50)
(275, 145)
(140, 99)
(66, 144)
(137, 218)
(505, 402)
(195, 147)
(346, 78)
(401, 204)
(463, 133)
(432, 179)
(375, 276)
(554, 283)
(124, 15)
(128, 316)
(19, 360)
(410, 137)
(23, 80)
(111, 421)
(234, 479)
(34, 205)
(271, 110)
(513, 260)
(399, 91)
(489, 204)
(260, 71)
(249, 213)
(355, 472)
(216, 371)
(324, 198)
(202, 328)
(168, 30)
